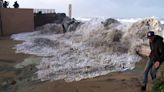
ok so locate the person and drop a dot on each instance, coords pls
(16, 5)
(156, 57)
(64, 29)
(5, 4)
(1, 3)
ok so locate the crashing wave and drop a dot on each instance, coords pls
(136, 34)
(97, 47)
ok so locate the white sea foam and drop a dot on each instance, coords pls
(92, 50)
(129, 20)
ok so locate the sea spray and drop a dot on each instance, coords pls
(92, 50)
(77, 68)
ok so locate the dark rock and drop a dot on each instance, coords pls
(109, 22)
(73, 27)
(13, 82)
(70, 25)
(55, 23)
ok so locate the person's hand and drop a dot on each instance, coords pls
(145, 69)
(156, 64)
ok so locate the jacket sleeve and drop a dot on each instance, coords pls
(161, 50)
(151, 53)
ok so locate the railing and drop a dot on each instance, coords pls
(44, 11)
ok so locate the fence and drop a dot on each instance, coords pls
(44, 11)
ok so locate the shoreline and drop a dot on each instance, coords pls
(128, 81)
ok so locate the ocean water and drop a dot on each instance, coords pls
(92, 50)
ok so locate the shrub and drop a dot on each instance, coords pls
(159, 85)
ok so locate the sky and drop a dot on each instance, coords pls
(99, 8)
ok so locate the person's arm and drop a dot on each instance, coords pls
(161, 50)
(150, 54)
(161, 57)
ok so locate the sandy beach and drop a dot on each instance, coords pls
(20, 80)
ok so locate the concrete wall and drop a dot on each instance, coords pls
(16, 20)
(42, 19)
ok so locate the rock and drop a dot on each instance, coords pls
(66, 25)
(13, 82)
(109, 23)
(71, 25)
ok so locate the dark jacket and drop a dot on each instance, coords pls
(157, 49)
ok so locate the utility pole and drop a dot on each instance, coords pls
(70, 10)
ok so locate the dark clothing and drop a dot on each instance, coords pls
(5, 4)
(152, 69)
(157, 49)
(156, 54)
(16, 5)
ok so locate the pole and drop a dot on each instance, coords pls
(70, 10)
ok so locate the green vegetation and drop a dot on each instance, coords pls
(159, 85)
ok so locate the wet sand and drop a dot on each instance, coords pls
(19, 80)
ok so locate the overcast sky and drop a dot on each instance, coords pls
(100, 8)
